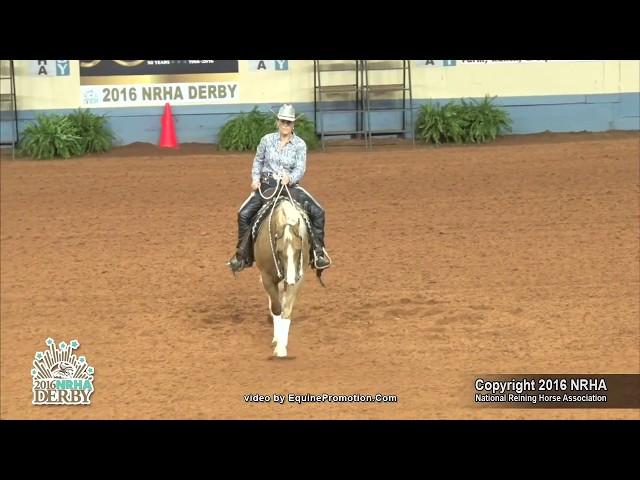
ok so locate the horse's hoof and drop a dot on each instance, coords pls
(280, 354)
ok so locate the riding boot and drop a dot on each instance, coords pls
(316, 216)
(322, 259)
(244, 249)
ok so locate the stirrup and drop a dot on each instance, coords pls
(324, 256)
(236, 264)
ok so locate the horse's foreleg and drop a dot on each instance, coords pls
(275, 308)
(289, 296)
(280, 326)
(281, 332)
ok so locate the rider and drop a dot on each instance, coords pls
(281, 154)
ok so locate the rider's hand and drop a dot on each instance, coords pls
(255, 184)
(285, 179)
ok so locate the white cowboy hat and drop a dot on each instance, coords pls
(287, 112)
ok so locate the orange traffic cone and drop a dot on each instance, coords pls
(168, 133)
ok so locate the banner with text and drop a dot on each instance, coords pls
(129, 83)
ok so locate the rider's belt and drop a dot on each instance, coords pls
(265, 177)
(269, 179)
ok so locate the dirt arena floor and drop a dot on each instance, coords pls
(521, 256)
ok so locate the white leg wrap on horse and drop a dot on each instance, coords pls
(281, 330)
(276, 324)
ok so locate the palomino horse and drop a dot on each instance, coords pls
(281, 252)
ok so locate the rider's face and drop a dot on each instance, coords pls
(285, 126)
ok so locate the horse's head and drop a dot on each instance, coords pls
(289, 241)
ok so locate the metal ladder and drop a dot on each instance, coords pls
(325, 92)
(9, 135)
(399, 81)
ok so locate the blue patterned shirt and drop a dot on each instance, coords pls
(292, 159)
